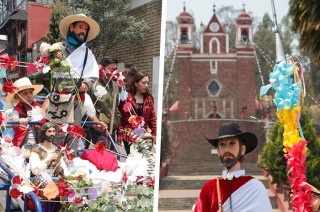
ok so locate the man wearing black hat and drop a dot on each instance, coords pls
(233, 191)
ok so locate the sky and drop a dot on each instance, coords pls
(202, 10)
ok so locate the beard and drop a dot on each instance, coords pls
(50, 138)
(230, 162)
(80, 37)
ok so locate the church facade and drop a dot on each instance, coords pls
(217, 80)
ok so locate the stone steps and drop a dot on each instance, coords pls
(179, 190)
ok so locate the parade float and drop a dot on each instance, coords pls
(99, 179)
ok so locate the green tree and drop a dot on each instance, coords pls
(116, 25)
(306, 21)
(272, 156)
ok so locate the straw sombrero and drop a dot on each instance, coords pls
(22, 84)
(65, 23)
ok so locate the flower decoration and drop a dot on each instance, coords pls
(63, 187)
(287, 99)
(136, 121)
(7, 87)
(8, 62)
(66, 151)
(44, 49)
(76, 131)
(124, 177)
(14, 189)
(1, 119)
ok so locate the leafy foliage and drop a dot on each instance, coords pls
(272, 156)
(116, 25)
(306, 21)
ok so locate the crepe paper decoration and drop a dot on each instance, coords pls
(123, 95)
(65, 150)
(31, 204)
(286, 79)
(31, 68)
(139, 180)
(63, 187)
(151, 182)
(101, 71)
(26, 189)
(92, 193)
(78, 200)
(72, 195)
(50, 191)
(124, 177)
(121, 83)
(8, 62)
(76, 131)
(16, 180)
(1, 116)
(127, 107)
(139, 131)
(14, 193)
(7, 87)
(8, 135)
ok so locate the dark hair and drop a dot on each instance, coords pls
(107, 61)
(44, 128)
(136, 78)
(131, 69)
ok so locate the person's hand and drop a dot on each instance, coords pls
(84, 87)
(51, 156)
(23, 121)
(58, 55)
(315, 200)
(101, 126)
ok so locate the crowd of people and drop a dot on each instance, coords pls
(86, 94)
(88, 91)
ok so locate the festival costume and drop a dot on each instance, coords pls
(241, 194)
(147, 113)
(23, 134)
(104, 106)
(82, 70)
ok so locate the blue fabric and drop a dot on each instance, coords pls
(73, 42)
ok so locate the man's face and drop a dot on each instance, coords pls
(229, 150)
(50, 134)
(80, 31)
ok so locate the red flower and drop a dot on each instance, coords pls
(64, 188)
(101, 71)
(16, 180)
(77, 131)
(14, 193)
(1, 118)
(99, 147)
(8, 62)
(70, 156)
(78, 200)
(45, 60)
(30, 204)
(125, 177)
(151, 182)
(139, 180)
(7, 87)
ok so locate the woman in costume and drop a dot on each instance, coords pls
(142, 105)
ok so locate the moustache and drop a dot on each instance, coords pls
(228, 154)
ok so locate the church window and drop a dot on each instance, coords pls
(184, 36)
(213, 88)
(244, 36)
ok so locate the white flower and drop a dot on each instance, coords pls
(44, 49)
(100, 91)
(55, 47)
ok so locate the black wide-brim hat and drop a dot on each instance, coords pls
(231, 130)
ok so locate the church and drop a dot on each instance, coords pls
(216, 80)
